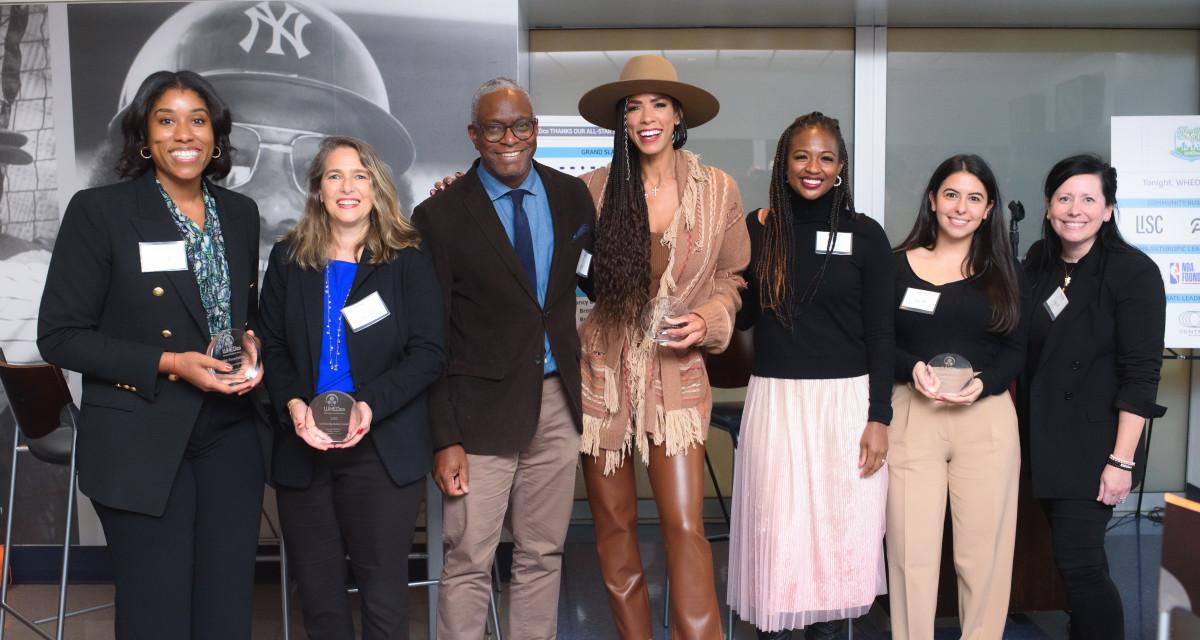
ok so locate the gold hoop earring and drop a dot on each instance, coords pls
(144, 152)
(216, 153)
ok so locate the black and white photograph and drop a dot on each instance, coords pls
(399, 75)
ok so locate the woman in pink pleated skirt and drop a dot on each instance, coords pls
(810, 486)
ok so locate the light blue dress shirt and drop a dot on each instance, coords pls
(541, 228)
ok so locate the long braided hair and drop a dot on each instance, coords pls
(622, 241)
(776, 292)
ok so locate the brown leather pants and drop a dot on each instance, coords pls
(678, 484)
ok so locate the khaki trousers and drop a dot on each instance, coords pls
(973, 453)
(535, 488)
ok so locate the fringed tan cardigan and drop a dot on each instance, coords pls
(634, 393)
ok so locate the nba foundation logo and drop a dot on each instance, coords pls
(1187, 143)
(1182, 273)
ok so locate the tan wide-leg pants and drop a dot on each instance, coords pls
(972, 452)
(536, 488)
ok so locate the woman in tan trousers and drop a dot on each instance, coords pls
(957, 292)
(668, 226)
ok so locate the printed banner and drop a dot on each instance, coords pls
(1158, 177)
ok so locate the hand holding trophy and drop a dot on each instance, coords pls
(331, 412)
(952, 372)
(660, 315)
(241, 350)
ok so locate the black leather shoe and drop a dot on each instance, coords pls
(786, 634)
(824, 630)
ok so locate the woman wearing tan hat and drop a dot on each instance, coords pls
(668, 226)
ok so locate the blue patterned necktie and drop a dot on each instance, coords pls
(522, 238)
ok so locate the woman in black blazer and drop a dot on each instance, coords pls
(144, 273)
(1091, 379)
(350, 303)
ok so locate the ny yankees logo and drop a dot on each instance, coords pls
(261, 12)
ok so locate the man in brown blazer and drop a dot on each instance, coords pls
(506, 416)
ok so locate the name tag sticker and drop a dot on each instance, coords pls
(163, 256)
(920, 300)
(584, 266)
(365, 312)
(1056, 303)
(842, 246)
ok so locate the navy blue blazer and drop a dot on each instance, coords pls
(101, 316)
(392, 362)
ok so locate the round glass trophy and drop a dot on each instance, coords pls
(655, 315)
(953, 371)
(239, 349)
(331, 414)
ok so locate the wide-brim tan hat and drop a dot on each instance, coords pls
(647, 74)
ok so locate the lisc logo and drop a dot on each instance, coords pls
(1187, 143)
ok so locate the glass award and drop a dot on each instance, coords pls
(953, 371)
(331, 414)
(239, 349)
(655, 316)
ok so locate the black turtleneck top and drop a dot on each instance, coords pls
(845, 330)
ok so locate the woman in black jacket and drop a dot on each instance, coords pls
(144, 274)
(350, 303)
(1091, 379)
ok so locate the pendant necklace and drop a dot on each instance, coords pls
(1067, 273)
(335, 344)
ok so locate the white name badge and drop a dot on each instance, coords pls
(1056, 303)
(920, 300)
(163, 256)
(365, 312)
(584, 266)
(842, 246)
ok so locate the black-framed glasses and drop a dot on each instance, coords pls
(249, 141)
(523, 129)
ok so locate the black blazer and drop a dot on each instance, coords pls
(101, 316)
(1102, 355)
(392, 362)
(490, 397)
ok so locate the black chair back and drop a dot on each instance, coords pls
(37, 394)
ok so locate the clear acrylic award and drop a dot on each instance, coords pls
(241, 350)
(656, 315)
(953, 371)
(331, 414)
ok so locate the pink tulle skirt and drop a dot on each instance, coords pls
(806, 543)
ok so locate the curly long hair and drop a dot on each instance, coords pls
(389, 231)
(776, 290)
(622, 243)
(990, 258)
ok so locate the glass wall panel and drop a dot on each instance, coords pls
(1023, 99)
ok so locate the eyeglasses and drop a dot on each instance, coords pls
(250, 140)
(523, 129)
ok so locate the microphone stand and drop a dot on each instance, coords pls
(1016, 215)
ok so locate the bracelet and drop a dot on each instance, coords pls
(1114, 458)
(1120, 464)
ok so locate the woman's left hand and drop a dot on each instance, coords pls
(872, 448)
(1115, 485)
(360, 424)
(965, 397)
(691, 330)
(248, 386)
